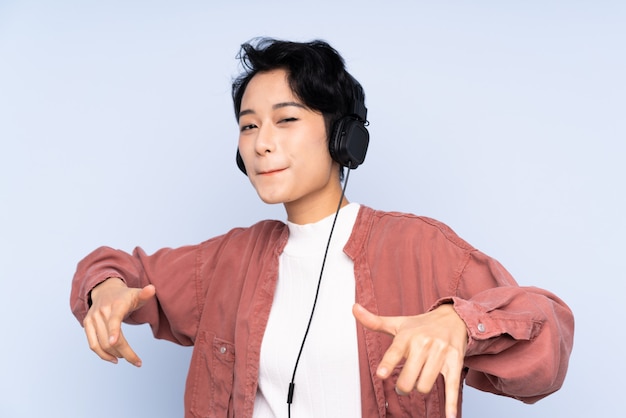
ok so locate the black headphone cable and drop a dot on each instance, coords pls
(292, 384)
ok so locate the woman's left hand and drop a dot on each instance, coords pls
(432, 343)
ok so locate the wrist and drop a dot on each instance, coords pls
(108, 282)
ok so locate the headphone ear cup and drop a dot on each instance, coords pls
(240, 163)
(348, 142)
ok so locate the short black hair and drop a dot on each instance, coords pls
(315, 71)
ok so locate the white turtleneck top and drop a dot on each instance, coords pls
(327, 382)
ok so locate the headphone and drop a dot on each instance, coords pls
(349, 138)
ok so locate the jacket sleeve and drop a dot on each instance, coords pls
(520, 338)
(173, 314)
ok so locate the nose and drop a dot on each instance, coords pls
(265, 140)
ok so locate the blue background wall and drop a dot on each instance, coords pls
(503, 119)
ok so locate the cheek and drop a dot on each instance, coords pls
(317, 149)
(318, 168)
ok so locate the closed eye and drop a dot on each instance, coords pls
(288, 120)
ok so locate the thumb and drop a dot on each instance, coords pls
(374, 322)
(144, 295)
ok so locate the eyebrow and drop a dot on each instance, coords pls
(274, 107)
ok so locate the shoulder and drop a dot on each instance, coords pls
(410, 227)
(265, 227)
(268, 231)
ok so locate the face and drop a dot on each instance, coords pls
(285, 150)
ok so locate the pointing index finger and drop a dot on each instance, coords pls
(452, 377)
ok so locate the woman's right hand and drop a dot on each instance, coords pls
(112, 301)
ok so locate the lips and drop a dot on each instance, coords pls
(270, 171)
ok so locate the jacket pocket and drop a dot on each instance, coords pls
(411, 405)
(415, 404)
(210, 377)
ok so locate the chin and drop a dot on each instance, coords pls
(271, 200)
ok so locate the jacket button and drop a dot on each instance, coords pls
(223, 350)
(386, 405)
(481, 327)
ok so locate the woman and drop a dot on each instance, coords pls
(341, 310)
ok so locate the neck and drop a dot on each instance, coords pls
(302, 213)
